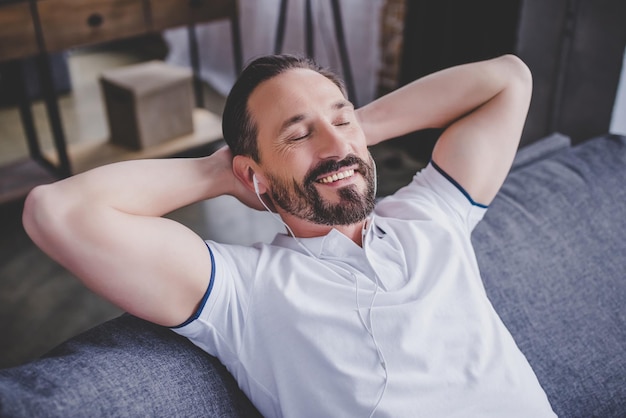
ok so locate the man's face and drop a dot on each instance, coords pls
(312, 149)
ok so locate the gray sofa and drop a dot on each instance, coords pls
(552, 251)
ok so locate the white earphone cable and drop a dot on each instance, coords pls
(370, 328)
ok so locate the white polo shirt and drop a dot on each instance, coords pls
(294, 329)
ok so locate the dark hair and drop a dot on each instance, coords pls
(238, 128)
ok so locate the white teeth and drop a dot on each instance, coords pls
(338, 176)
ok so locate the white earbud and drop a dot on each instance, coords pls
(256, 184)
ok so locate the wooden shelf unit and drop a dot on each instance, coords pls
(36, 28)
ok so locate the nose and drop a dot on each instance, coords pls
(332, 142)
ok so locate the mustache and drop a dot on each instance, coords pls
(328, 166)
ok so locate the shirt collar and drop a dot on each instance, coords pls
(329, 246)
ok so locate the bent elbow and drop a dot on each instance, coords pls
(519, 72)
(37, 213)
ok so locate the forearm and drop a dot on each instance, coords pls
(141, 187)
(437, 100)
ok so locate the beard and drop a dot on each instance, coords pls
(304, 201)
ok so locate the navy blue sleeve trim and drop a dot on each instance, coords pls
(458, 186)
(206, 294)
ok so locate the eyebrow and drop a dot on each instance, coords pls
(300, 117)
(290, 122)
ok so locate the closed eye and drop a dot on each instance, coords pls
(300, 136)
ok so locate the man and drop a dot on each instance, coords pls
(358, 311)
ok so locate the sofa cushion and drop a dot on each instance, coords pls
(126, 367)
(541, 149)
(552, 252)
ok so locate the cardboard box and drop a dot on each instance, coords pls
(147, 103)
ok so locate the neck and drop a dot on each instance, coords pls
(305, 229)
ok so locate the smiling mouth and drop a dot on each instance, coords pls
(337, 176)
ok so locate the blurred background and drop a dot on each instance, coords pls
(54, 120)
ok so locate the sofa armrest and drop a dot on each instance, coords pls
(125, 367)
(552, 254)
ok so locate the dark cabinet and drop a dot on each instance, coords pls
(574, 49)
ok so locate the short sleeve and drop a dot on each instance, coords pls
(219, 323)
(432, 194)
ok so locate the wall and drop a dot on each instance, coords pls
(618, 119)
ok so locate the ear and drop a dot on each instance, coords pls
(245, 168)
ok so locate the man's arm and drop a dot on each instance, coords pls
(482, 107)
(105, 226)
